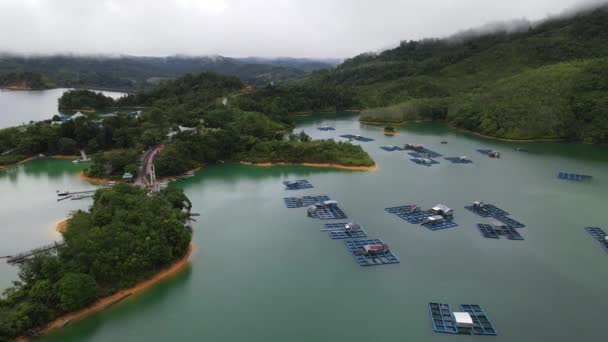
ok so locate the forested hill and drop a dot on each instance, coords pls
(23, 81)
(131, 73)
(544, 81)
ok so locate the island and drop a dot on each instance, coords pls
(138, 236)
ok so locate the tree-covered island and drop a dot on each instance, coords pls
(127, 236)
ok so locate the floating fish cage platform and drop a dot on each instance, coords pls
(356, 137)
(328, 213)
(384, 258)
(573, 176)
(599, 235)
(331, 227)
(423, 151)
(392, 148)
(306, 201)
(440, 225)
(458, 160)
(424, 161)
(509, 221)
(430, 153)
(300, 184)
(442, 319)
(341, 235)
(488, 232)
(487, 210)
(481, 322)
(405, 213)
(328, 128)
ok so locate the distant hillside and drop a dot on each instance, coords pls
(23, 81)
(130, 73)
(306, 64)
(542, 81)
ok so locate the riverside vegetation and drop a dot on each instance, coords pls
(135, 234)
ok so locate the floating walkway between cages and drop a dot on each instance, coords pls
(490, 210)
(414, 215)
(384, 258)
(510, 222)
(440, 225)
(341, 235)
(459, 160)
(326, 128)
(356, 137)
(481, 322)
(486, 210)
(328, 213)
(423, 151)
(599, 235)
(300, 184)
(392, 148)
(410, 213)
(442, 319)
(488, 232)
(573, 176)
(306, 201)
(424, 161)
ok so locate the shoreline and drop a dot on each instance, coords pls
(401, 123)
(64, 156)
(169, 178)
(95, 180)
(62, 225)
(2, 167)
(508, 139)
(322, 165)
(108, 301)
(398, 123)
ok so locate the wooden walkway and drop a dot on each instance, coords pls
(15, 259)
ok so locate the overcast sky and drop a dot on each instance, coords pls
(298, 28)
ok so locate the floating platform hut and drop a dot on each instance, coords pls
(472, 319)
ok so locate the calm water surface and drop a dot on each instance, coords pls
(265, 273)
(21, 106)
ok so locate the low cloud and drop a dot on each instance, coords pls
(299, 28)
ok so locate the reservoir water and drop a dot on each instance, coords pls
(262, 272)
(19, 106)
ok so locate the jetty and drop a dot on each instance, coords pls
(61, 193)
(18, 258)
(83, 158)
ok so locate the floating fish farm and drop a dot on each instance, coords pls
(327, 128)
(356, 137)
(392, 148)
(306, 201)
(459, 160)
(414, 215)
(327, 212)
(490, 210)
(573, 176)
(472, 319)
(358, 250)
(300, 184)
(489, 231)
(599, 235)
